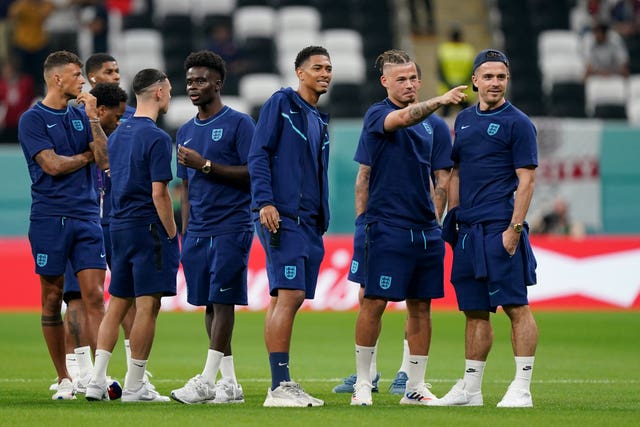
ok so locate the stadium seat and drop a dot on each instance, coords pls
(566, 99)
(202, 8)
(141, 48)
(293, 18)
(237, 103)
(342, 40)
(180, 110)
(345, 100)
(553, 43)
(347, 68)
(255, 89)
(604, 91)
(254, 21)
(633, 113)
(161, 8)
(562, 68)
(289, 43)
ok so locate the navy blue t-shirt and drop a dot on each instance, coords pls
(488, 148)
(401, 165)
(139, 154)
(216, 207)
(68, 133)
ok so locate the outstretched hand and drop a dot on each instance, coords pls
(455, 95)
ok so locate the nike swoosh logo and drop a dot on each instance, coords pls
(527, 368)
(411, 361)
(464, 127)
(139, 366)
(103, 255)
(50, 126)
(187, 141)
(225, 289)
(282, 364)
(494, 292)
(294, 112)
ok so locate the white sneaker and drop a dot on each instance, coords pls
(516, 398)
(458, 396)
(362, 395)
(146, 378)
(81, 383)
(228, 392)
(144, 394)
(54, 386)
(290, 394)
(418, 396)
(95, 391)
(196, 390)
(65, 390)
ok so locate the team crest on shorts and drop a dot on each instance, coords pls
(290, 271)
(427, 127)
(354, 266)
(385, 282)
(41, 259)
(77, 125)
(216, 134)
(493, 129)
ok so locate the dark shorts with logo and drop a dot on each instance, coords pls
(504, 284)
(71, 285)
(295, 262)
(215, 268)
(357, 270)
(403, 263)
(144, 262)
(58, 240)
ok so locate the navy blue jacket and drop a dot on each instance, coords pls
(277, 158)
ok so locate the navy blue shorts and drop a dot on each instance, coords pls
(71, 285)
(357, 271)
(58, 240)
(404, 264)
(215, 268)
(144, 262)
(295, 263)
(505, 284)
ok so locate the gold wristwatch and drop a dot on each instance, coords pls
(207, 167)
(517, 227)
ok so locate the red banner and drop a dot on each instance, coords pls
(594, 273)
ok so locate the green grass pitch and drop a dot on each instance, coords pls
(587, 373)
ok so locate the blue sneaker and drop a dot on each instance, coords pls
(399, 383)
(349, 382)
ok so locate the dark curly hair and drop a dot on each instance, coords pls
(208, 59)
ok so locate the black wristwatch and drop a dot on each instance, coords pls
(207, 167)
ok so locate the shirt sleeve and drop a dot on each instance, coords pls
(160, 158)
(181, 170)
(246, 128)
(525, 147)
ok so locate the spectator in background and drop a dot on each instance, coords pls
(5, 26)
(16, 96)
(605, 52)
(95, 18)
(416, 9)
(221, 42)
(625, 17)
(30, 41)
(455, 63)
(557, 222)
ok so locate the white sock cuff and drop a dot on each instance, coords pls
(82, 350)
(100, 352)
(525, 359)
(475, 363)
(363, 348)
